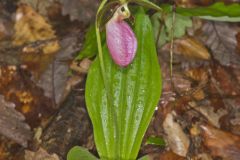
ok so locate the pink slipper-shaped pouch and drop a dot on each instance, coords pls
(121, 40)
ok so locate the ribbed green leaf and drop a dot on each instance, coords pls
(89, 48)
(216, 10)
(134, 93)
(156, 141)
(80, 153)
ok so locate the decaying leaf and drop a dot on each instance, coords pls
(222, 144)
(12, 123)
(167, 155)
(4, 30)
(197, 74)
(41, 154)
(82, 10)
(191, 48)
(31, 27)
(17, 87)
(81, 67)
(54, 78)
(202, 156)
(40, 6)
(212, 116)
(238, 42)
(225, 81)
(221, 39)
(181, 84)
(179, 143)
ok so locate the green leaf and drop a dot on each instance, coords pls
(216, 10)
(90, 48)
(157, 25)
(156, 141)
(135, 91)
(144, 158)
(80, 153)
(181, 24)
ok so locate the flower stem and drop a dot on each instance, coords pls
(112, 113)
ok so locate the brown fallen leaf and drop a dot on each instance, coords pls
(191, 48)
(40, 6)
(16, 86)
(202, 156)
(41, 154)
(222, 144)
(238, 42)
(225, 81)
(167, 155)
(177, 140)
(197, 74)
(3, 30)
(81, 67)
(212, 116)
(12, 123)
(54, 79)
(82, 10)
(220, 38)
(37, 39)
(32, 27)
(181, 84)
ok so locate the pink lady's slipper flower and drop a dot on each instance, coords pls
(121, 41)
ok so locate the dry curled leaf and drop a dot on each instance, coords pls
(222, 144)
(191, 48)
(41, 154)
(31, 27)
(12, 123)
(179, 143)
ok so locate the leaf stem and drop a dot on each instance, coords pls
(172, 40)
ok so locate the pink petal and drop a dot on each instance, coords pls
(121, 42)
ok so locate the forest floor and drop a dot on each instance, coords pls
(42, 106)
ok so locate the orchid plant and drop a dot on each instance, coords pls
(124, 112)
(124, 82)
